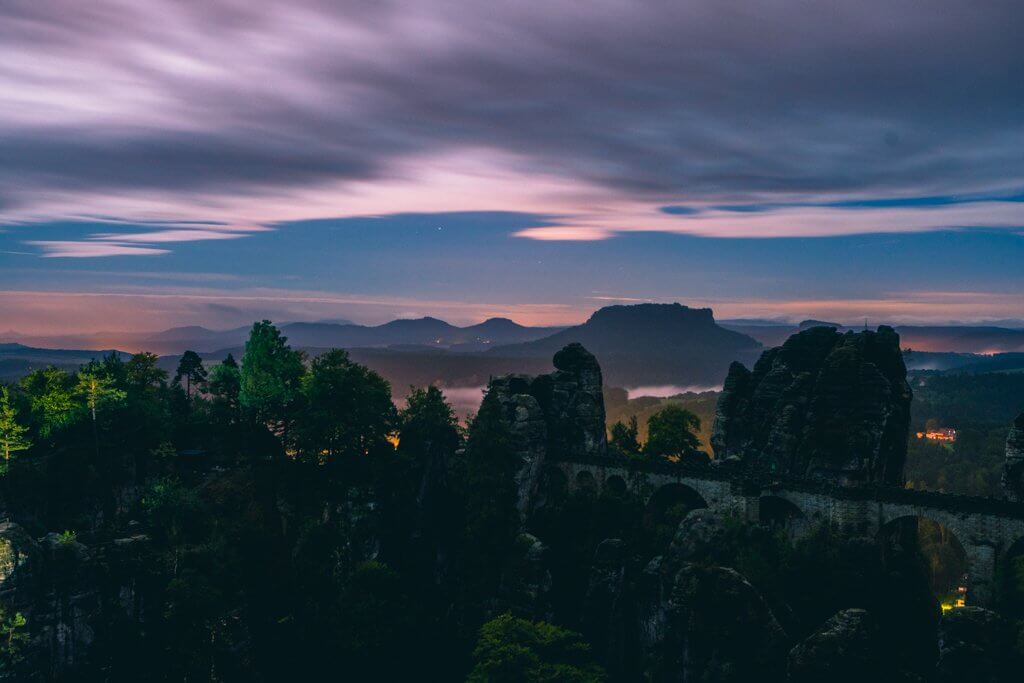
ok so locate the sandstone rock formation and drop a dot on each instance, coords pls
(719, 628)
(975, 644)
(823, 405)
(845, 649)
(558, 415)
(1013, 470)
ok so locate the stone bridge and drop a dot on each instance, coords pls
(989, 529)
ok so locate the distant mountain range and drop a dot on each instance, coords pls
(977, 339)
(640, 345)
(426, 332)
(17, 360)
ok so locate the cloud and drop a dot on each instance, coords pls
(256, 113)
(71, 249)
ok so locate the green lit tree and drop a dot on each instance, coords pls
(96, 390)
(347, 409)
(12, 433)
(270, 377)
(513, 649)
(672, 433)
(14, 639)
(50, 392)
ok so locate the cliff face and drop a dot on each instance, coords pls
(560, 414)
(823, 405)
(1013, 470)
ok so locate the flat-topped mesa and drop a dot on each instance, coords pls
(559, 415)
(1013, 469)
(824, 405)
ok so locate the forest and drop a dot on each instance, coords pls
(278, 517)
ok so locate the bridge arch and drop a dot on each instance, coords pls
(779, 512)
(945, 559)
(667, 507)
(615, 485)
(585, 481)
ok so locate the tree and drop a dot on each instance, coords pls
(190, 367)
(489, 490)
(625, 439)
(672, 432)
(12, 434)
(50, 392)
(96, 390)
(347, 409)
(14, 640)
(142, 371)
(428, 424)
(270, 376)
(511, 649)
(226, 381)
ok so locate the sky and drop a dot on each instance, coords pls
(178, 163)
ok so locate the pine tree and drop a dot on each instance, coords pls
(12, 434)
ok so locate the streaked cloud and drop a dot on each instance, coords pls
(702, 117)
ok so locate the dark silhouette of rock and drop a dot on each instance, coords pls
(823, 405)
(975, 645)
(526, 581)
(1013, 469)
(845, 649)
(651, 344)
(719, 628)
(608, 606)
(697, 536)
(558, 415)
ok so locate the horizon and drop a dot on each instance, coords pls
(171, 165)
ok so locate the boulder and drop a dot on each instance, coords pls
(975, 644)
(824, 405)
(845, 649)
(719, 628)
(697, 536)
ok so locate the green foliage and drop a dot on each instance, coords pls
(190, 368)
(14, 640)
(96, 390)
(625, 439)
(513, 650)
(672, 433)
(12, 433)
(226, 382)
(51, 396)
(270, 375)
(620, 408)
(347, 409)
(143, 374)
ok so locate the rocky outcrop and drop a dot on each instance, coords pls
(719, 628)
(823, 405)
(845, 649)
(526, 581)
(975, 644)
(558, 415)
(1013, 469)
